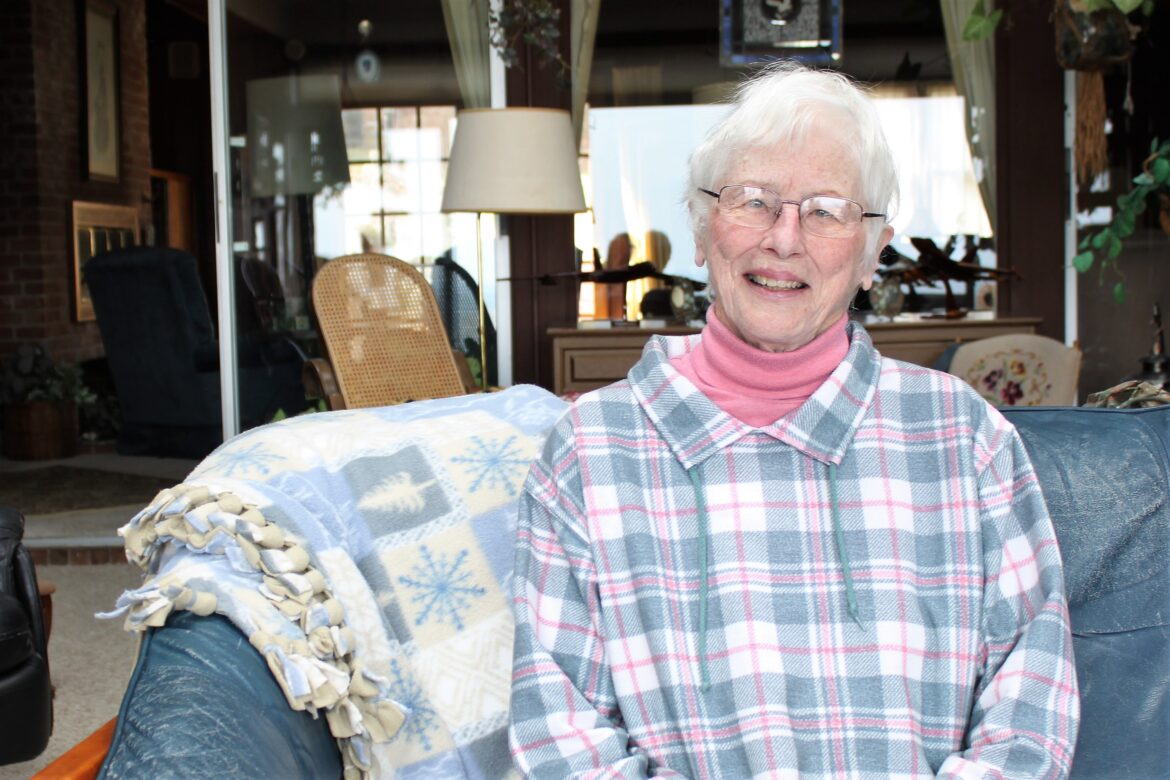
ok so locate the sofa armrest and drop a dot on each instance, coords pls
(202, 702)
(83, 760)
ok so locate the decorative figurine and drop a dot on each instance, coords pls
(1156, 365)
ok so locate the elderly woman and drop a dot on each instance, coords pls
(770, 551)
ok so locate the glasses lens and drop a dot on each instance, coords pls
(830, 217)
(749, 206)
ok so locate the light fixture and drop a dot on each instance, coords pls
(295, 139)
(511, 161)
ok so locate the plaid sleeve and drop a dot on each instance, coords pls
(564, 717)
(1027, 709)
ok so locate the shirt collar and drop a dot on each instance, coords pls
(695, 428)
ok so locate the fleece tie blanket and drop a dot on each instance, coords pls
(367, 554)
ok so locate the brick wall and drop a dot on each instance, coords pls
(40, 172)
(18, 160)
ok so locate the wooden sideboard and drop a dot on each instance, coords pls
(584, 359)
(922, 341)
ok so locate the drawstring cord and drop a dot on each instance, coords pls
(846, 569)
(704, 574)
(701, 502)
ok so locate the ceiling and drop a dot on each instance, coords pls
(678, 37)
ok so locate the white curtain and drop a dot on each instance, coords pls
(583, 31)
(938, 195)
(973, 68)
(467, 32)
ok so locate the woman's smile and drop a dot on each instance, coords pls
(775, 284)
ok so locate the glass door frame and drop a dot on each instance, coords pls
(221, 178)
(217, 15)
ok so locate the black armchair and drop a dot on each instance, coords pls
(163, 356)
(26, 697)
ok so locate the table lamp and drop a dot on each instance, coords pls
(511, 161)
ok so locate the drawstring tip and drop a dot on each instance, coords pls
(851, 606)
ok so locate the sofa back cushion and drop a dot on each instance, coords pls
(1105, 475)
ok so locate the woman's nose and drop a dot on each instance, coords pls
(786, 231)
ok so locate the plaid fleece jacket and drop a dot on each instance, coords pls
(957, 663)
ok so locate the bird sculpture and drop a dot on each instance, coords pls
(934, 266)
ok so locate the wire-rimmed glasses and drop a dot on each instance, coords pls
(821, 215)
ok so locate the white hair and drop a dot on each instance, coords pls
(782, 103)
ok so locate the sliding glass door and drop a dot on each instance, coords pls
(332, 123)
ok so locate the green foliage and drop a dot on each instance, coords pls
(525, 22)
(1102, 247)
(534, 23)
(312, 406)
(476, 368)
(31, 375)
(981, 24)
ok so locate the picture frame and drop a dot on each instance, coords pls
(100, 90)
(752, 31)
(97, 228)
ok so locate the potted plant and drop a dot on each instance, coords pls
(40, 400)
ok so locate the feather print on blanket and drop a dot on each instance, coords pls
(367, 554)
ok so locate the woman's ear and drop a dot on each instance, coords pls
(872, 263)
(700, 255)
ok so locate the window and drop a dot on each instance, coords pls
(397, 166)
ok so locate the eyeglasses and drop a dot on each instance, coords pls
(821, 215)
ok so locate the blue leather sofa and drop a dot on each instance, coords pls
(202, 703)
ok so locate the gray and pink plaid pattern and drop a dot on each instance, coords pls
(960, 664)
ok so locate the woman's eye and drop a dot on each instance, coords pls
(755, 203)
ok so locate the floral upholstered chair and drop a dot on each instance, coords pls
(1020, 370)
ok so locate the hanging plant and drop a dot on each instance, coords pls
(535, 23)
(1103, 246)
(1087, 18)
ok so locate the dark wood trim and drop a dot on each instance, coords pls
(1031, 191)
(539, 245)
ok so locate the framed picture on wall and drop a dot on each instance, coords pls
(97, 228)
(100, 90)
(755, 30)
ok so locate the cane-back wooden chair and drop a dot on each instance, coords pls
(384, 336)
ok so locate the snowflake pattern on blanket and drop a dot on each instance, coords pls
(445, 590)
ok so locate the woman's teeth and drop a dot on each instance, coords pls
(776, 284)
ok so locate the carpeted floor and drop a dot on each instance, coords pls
(58, 488)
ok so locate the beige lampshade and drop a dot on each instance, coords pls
(514, 161)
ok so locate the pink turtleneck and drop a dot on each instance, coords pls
(755, 386)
